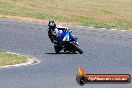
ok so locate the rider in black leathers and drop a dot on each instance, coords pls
(53, 29)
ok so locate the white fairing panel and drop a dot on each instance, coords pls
(66, 38)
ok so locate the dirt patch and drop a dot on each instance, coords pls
(129, 29)
(35, 19)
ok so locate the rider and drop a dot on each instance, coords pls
(53, 30)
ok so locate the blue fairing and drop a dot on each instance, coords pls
(63, 36)
(66, 41)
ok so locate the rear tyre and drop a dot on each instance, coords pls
(77, 48)
(57, 49)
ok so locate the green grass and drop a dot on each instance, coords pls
(11, 59)
(98, 13)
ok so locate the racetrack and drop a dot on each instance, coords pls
(105, 51)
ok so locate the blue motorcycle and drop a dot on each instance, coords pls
(66, 42)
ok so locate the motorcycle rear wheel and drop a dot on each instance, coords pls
(57, 49)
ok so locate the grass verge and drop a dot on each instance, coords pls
(98, 13)
(11, 59)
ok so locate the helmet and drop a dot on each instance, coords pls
(52, 24)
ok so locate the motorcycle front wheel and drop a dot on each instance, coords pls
(76, 47)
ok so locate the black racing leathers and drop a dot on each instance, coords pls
(51, 35)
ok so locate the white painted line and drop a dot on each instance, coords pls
(91, 27)
(113, 29)
(123, 30)
(29, 62)
(102, 28)
(14, 53)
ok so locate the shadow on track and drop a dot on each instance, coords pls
(60, 53)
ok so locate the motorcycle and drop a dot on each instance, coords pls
(66, 42)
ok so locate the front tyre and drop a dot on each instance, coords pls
(76, 47)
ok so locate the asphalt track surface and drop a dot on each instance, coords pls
(105, 51)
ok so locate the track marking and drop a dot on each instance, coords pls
(91, 27)
(113, 29)
(102, 28)
(123, 30)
